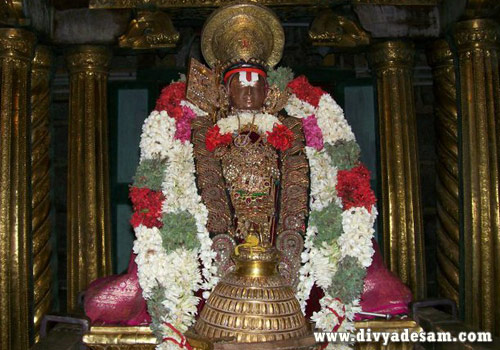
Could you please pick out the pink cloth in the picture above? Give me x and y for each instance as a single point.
(383, 292)
(117, 299)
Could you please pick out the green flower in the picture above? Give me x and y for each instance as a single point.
(150, 174)
(179, 230)
(348, 281)
(280, 77)
(344, 155)
(329, 223)
(157, 310)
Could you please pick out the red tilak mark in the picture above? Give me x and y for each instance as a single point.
(183, 343)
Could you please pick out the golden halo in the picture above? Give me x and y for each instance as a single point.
(243, 32)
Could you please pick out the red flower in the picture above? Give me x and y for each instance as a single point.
(170, 100)
(214, 139)
(147, 205)
(304, 91)
(281, 137)
(353, 187)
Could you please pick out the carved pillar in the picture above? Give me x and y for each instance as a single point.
(392, 62)
(40, 181)
(441, 60)
(477, 42)
(88, 176)
(16, 48)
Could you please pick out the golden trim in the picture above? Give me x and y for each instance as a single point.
(16, 50)
(478, 44)
(243, 31)
(330, 29)
(441, 59)
(150, 30)
(210, 180)
(119, 336)
(141, 338)
(41, 260)
(88, 58)
(128, 4)
(12, 13)
(292, 218)
(42, 286)
(482, 34)
(392, 54)
(41, 309)
(40, 182)
(16, 44)
(396, 326)
(89, 240)
(43, 231)
(402, 223)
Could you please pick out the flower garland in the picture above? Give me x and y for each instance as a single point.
(264, 122)
(280, 137)
(168, 262)
(170, 219)
(276, 134)
(334, 258)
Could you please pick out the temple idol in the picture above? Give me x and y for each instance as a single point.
(218, 175)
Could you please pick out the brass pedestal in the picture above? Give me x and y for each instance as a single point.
(253, 303)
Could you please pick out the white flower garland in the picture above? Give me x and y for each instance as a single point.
(329, 114)
(265, 122)
(319, 264)
(157, 137)
(176, 271)
(299, 108)
(356, 241)
(332, 122)
(323, 179)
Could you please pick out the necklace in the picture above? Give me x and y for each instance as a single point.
(241, 140)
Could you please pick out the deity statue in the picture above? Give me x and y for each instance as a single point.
(253, 213)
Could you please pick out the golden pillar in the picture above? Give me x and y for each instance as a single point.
(16, 48)
(392, 62)
(441, 60)
(477, 43)
(40, 183)
(88, 176)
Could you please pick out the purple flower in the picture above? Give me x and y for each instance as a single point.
(312, 132)
(183, 125)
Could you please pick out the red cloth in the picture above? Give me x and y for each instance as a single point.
(383, 292)
(117, 299)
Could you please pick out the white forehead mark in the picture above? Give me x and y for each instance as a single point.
(243, 76)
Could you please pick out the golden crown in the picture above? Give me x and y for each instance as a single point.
(242, 32)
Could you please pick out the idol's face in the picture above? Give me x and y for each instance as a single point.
(245, 96)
